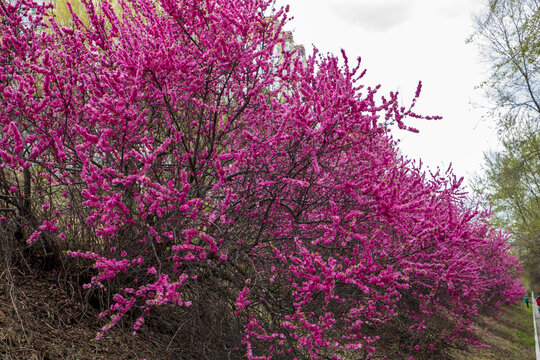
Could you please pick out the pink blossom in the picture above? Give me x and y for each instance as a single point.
(189, 143)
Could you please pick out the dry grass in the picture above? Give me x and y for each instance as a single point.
(509, 336)
(40, 321)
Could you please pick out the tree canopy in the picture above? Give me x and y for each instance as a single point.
(509, 36)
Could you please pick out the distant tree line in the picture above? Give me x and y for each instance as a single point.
(508, 33)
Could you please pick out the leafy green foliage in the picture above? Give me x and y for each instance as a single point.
(508, 34)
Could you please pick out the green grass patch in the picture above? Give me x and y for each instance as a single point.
(526, 337)
(525, 334)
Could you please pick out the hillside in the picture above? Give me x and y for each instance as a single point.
(40, 320)
(509, 336)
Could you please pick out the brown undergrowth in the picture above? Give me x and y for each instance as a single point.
(45, 316)
(40, 320)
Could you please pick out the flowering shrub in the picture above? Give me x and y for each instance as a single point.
(169, 144)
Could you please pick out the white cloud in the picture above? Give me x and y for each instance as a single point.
(452, 9)
(401, 42)
(374, 15)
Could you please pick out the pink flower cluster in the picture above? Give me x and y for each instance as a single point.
(178, 135)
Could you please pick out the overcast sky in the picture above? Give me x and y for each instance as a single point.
(402, 42)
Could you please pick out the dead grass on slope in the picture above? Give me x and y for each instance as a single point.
(40, 321)
(509, 336)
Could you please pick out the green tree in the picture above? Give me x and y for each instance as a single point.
(508, 36)
(512, 178)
